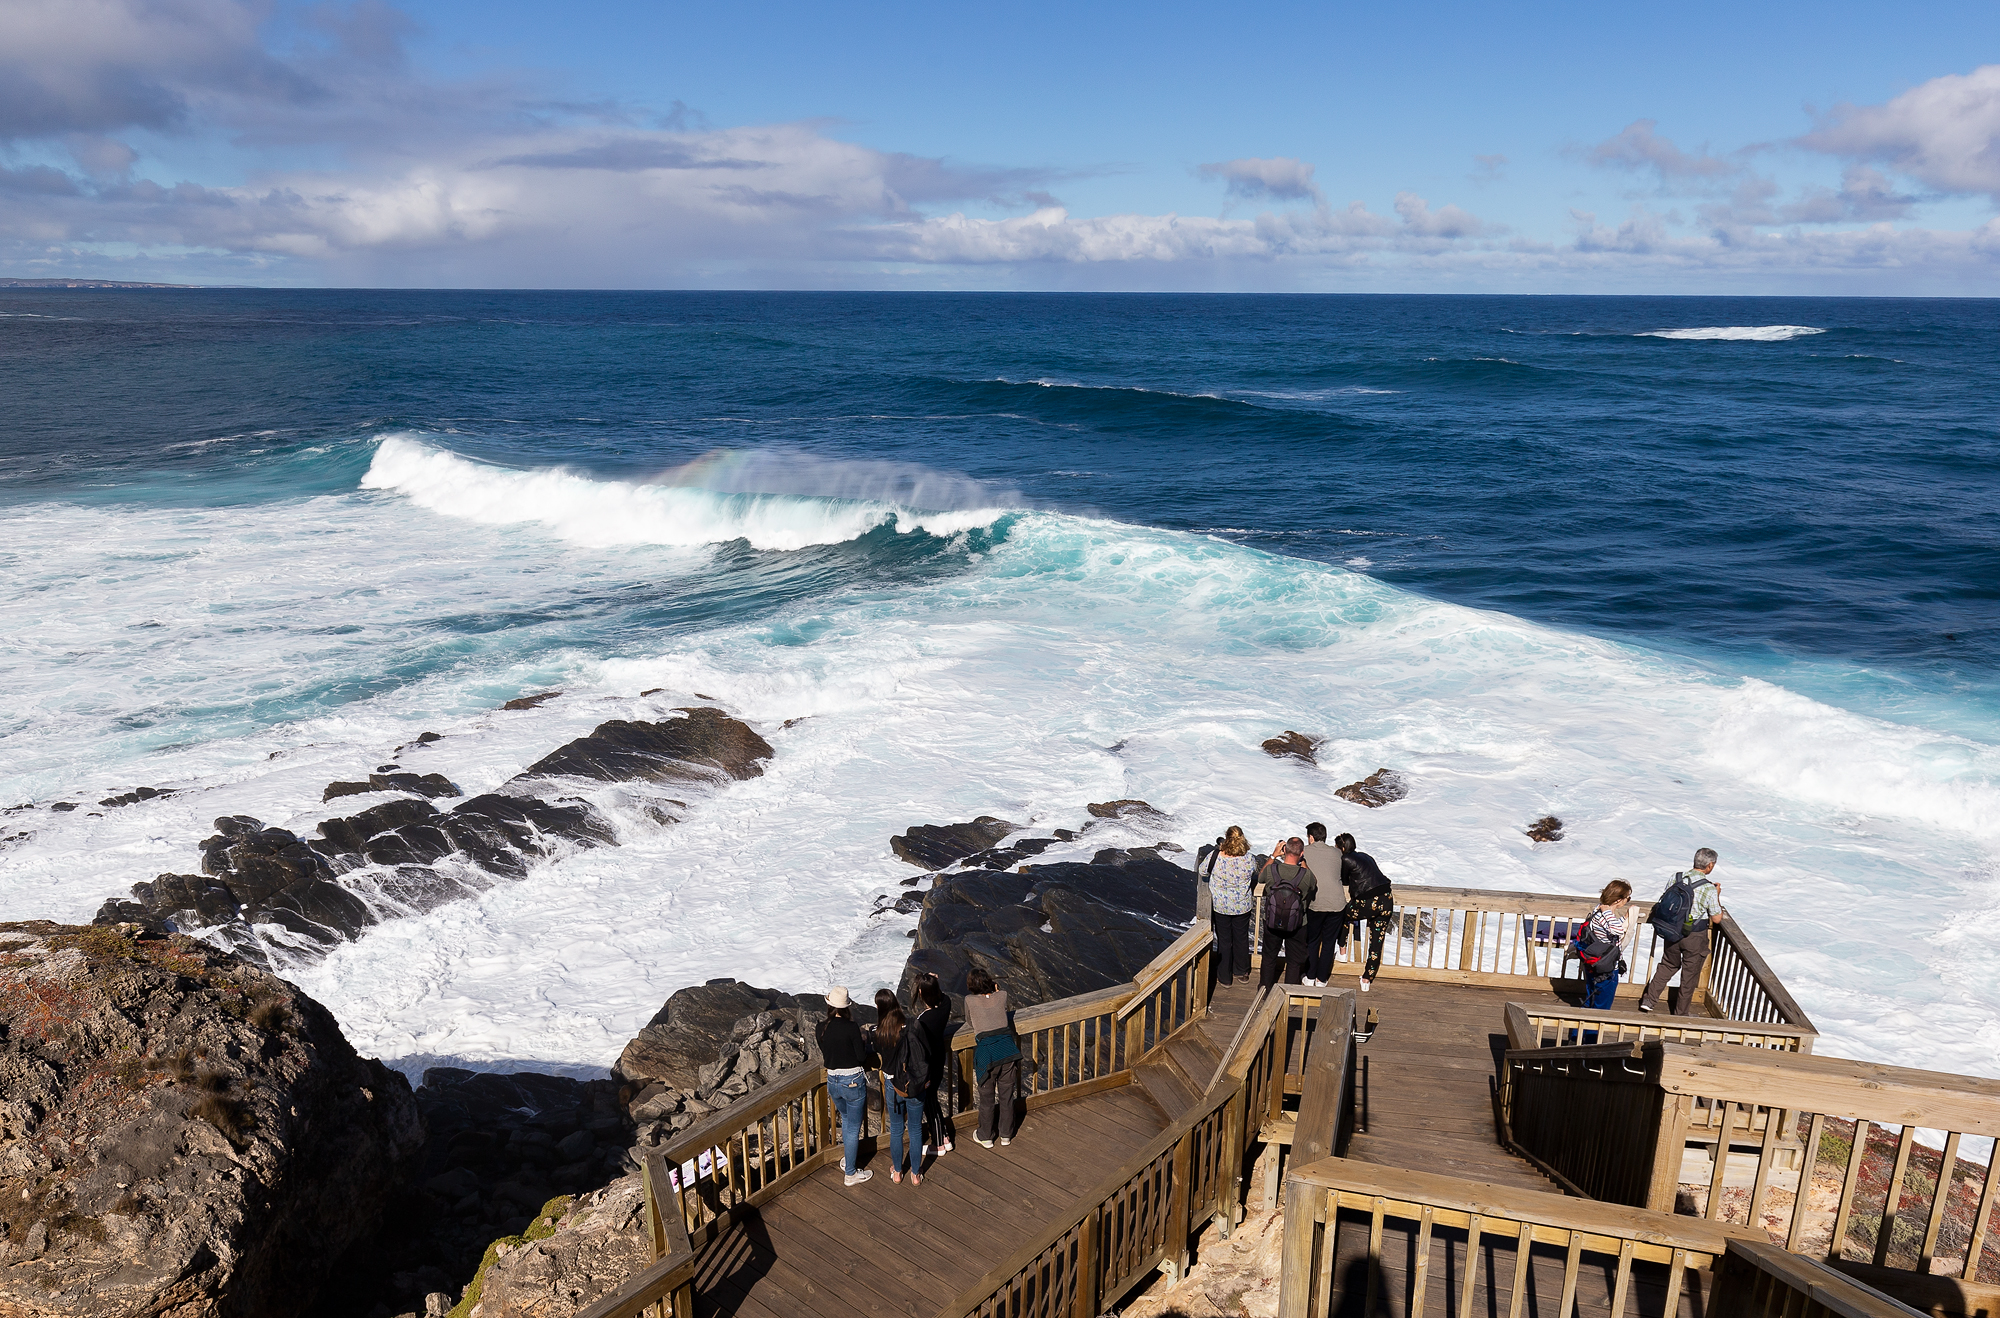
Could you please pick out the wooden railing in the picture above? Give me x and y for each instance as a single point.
(1501, 939)
(1534, 1025)
(666, 1288)
(1316, 1192)
(1144, 1214)
(1762, 1281)
(1791, 1135)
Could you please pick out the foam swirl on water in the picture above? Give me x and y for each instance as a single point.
(1742, 333)
(719, 498)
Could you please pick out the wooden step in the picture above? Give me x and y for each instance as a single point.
(1164, 1084)
(1195, 1057)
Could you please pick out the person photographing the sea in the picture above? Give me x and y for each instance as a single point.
(1288, 894)
(847, 1057)
(1373, 902)
(1326, 930)
(1681, 917)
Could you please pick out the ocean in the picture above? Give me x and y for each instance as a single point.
(1682, 571)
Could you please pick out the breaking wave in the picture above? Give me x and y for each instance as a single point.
(1744, 333)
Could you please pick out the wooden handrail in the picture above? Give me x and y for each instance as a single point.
(1323, 1094)
(752, 1107)
(1835, 1087)
(1164, 966)
(671, 1275)
(1766, 979)
(1063, 1011)
(1839, 1293)
(1618, 1026)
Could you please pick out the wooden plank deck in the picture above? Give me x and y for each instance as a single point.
(1431, 1070)
(889, 1249)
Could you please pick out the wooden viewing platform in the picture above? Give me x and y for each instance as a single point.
(1488, 1149)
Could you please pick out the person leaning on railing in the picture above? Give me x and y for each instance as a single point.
(1373, 901)
(934, 1019)
(847, 1057)
(1687, 939)
(996, 1057)
(1232, 898)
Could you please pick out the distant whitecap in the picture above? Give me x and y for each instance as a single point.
(1748, 333)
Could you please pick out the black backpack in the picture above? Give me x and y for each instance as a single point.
(1596, 948)
(1285, 902)
(1670, 913)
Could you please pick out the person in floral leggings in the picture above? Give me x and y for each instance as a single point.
(1373, 901)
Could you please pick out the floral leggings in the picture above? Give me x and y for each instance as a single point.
(1377, 909)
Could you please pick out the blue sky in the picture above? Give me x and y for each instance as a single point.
(1702, 148)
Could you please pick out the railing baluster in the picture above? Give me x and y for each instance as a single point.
(1846, 1208)
(1893, 1198)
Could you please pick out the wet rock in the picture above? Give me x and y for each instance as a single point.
(705, 744)
(531, 702)
(417, 856)
(419, 784)
(1377, 789)
(1295, 745)
(136, 795)
(179, 1131)
(935, 846)
(1128, 809)
(62, 807)
(1546, 829)
(1051, 931)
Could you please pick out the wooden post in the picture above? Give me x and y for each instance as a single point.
(1940, 1200)
(1846, 1208)
(1669, 1145)
(1894, 1198)
(1807, 1163)
(1178, 1207)
(1296, 1257)
(1468, 943)
(1233, 1144)
(1086, 1270)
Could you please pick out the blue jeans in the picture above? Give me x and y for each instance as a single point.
(1599, 994)
(906, 1131)
(850, 1099)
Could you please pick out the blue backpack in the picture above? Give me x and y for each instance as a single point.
(1670, 913)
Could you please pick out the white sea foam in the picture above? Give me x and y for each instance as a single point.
(1077, 661)
(674, 511)
(1748, 333)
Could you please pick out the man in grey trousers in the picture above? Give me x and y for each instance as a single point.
(1687, 953)
(1326, 930)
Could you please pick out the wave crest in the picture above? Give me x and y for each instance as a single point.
(1744, 333)
(726, 495)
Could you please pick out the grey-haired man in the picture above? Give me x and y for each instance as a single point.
(1687, 953)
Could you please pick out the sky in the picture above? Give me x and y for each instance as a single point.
(1562, 148)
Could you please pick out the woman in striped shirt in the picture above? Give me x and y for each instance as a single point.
(1607, 924)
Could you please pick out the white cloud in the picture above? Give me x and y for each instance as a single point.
(1638, 147)
(1945, 133)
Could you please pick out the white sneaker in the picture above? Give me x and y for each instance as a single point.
(982, 1143)
(1643, 1007)
(856, 1178)
(1364, 985)
(1005, 1141)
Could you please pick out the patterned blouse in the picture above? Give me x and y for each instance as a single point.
(1230, 888)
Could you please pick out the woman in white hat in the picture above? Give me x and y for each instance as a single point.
(847, 1057)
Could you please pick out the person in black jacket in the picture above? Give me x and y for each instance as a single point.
(906, 1072)
(934, 1020)
(1372, 901)
(847, 1057)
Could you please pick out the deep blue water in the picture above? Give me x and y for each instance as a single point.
(1832, 496)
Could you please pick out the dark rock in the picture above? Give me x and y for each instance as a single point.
(934, 846)
(530, 702)
(1377, 789)
(1125, 810)
(420, 784)
(183, 1133)
(61, 807)
(1051, 931)
(1294, 744)
(705, 744)
(136, 795)
(428, 737)
(1546, 829)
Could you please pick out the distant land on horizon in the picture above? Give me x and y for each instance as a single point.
(88, 283)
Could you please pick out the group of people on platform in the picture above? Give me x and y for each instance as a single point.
(1313, 894)
(913, 1052)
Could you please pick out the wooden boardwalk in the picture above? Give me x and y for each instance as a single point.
(889, 1249)
(1430, 1072)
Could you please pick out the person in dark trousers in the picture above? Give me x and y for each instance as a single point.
(934, 1020)
(1372, 901)
(996, 1058)
(847, 1057)
(906, 1072)
(1326, 930)
(1232, 904)
(1287, 868)
(1687, 952)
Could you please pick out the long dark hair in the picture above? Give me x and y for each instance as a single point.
(889, 1030)
(930, 992)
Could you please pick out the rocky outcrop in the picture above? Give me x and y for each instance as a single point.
(136, 795)
(180, 1132)
(1293, 745)
(593, 1248)
(531, 702)
(936, 846)
(1127, 809)
(1377, 789)
(711, 1045)
(405, 856)
(1546, 829)
(1049, 931)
